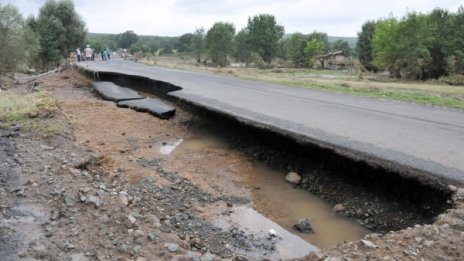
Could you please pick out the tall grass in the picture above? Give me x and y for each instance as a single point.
(17, 108)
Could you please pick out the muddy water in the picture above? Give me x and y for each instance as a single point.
(277, 205)
(276, 199)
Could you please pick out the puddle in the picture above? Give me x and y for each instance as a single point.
(278, 200)
(275, 199)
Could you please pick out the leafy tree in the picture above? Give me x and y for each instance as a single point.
(167, 50)
(297, 53)
(136, 47)
(60, 31)
(153, 46)
(403, 47)
(342, 45)
(126, 39)
(184, 44)
(18, 44)
(383, 45)
(313, 48)
(219, 42)
(263, 35)
(420, 46)
(413, 57)
(364, 45)
(317, 44)
(97, 46)
(447, 46)
(198, 43)
(283, 48)
(241, 47)
(455, 49)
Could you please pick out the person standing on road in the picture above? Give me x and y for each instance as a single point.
(108, 53)
(105, 55)
(88, 53)
(78, 54)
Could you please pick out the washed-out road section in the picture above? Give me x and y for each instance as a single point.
(404, 137)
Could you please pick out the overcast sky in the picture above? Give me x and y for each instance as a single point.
(176, 17)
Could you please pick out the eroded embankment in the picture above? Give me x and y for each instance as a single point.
(378, 194)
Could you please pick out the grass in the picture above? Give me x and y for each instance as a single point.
(25, 109)
(372, 85)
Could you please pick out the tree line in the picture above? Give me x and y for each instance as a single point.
(260, 42)
(417, 46)
(39, 42)
(44, 41)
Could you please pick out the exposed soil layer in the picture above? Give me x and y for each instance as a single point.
(101, 190)
(379, 196)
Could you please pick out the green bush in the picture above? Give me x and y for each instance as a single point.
(457, 79)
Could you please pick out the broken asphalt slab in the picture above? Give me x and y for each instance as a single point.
(153, 106)
(112, 92)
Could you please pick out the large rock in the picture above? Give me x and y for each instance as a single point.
(293, 178)
(171, 247)
(338, 208)
(303, 226)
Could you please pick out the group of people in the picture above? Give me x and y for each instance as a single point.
(89, 54)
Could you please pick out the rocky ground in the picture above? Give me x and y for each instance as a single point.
(101, 190)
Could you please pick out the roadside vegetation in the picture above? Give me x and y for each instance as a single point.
(372, 85)
(27, 111)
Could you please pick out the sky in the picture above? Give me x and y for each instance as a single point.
(177, 17)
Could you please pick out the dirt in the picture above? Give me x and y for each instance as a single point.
(101, 190)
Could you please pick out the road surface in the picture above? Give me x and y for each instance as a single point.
(406, 136)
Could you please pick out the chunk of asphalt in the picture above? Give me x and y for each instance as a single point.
(112, 92)
(153, 106)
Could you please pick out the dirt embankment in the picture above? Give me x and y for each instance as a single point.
(101, 190)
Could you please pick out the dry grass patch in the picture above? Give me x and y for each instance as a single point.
(34, 112)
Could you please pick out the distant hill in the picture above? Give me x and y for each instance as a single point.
(351, 40)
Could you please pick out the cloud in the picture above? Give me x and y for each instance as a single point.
(176, 17)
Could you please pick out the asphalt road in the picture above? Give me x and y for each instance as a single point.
(406, 136)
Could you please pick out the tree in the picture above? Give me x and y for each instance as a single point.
(126, 39)
(136, 47)
(314, 47)
(263, 35)
(403, 47)
(60, 30)
(283, 48)
(184, 43)
(414, 39)
(317, 44)
(241, 47)
(384, 45)
(342, 45)
(219, 42)
(11, 24)
(297, 45)
(167, 50)
(153, 46)
(198, 43)
(364, 45)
